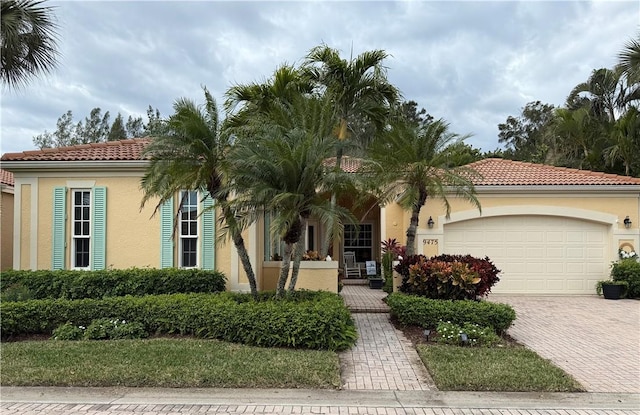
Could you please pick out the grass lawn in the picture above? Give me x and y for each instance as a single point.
(179, 363)
(507, 369)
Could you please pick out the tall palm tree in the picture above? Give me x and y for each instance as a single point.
(602, 89)
(246, 100)
(280, 168)
(410, 163)
(625, 146)
(581, 137)
(360, 92)
(629, 59)
(188, 152)
(28, 35)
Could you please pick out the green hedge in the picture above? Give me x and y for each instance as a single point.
(307, 320)
(109, 283)
(412, 310)
(628, 270)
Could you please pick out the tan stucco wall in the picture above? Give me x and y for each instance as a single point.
(132, 234)
(620, 206)
(604, 207)
(6, 230)
(313, 275)
(25, 226)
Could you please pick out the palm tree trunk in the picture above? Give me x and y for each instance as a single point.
(413, 224)
(324, 250)
(297, 258)
(238, 242)
(284, 271)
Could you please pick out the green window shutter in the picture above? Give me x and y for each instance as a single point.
(99, 228)
(166, 234)
(208, 234)
(59, 237)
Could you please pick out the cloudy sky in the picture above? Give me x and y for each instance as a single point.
(472, 63)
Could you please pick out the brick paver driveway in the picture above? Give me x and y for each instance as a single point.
(595, 340)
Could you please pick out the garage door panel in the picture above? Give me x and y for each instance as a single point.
(537, 254)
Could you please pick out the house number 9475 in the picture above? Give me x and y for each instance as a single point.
(430, 241)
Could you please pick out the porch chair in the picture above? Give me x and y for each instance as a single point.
(351, 268)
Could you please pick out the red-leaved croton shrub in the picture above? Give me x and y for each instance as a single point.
(450, 277)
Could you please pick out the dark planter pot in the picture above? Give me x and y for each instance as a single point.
(612, 291)
(375, 283)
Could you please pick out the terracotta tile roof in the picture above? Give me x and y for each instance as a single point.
(494, 171)
(111, 150)
(6, 177)
(500, 172)
(348, 164)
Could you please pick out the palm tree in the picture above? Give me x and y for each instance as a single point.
(28, 36)
(580, 137)
(630, 59)
(410, 163)
(280, 168)
(246, 100)
(360, 92)
(625, 142)
(602, 89)
(188, 151)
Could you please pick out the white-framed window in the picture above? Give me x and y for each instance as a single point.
(359, 241)
(81, 228)
(188, 244)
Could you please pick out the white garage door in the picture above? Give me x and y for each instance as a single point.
(537, 254)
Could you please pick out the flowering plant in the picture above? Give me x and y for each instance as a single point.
(623, 254)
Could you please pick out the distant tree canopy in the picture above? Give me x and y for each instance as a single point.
(598, 128)
(96, 128)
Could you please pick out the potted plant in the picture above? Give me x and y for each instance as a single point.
(612, 290)
(376, 282)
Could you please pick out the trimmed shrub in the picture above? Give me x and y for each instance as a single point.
(451, 277)
(112, 283)
(628, 270)
(411, 310)
(312, 320)
(68, 331)
(449, 333)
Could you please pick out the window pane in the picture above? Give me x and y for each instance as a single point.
(77, 228)
(86, 198)
(193, 228)
(189, 252)
(85, 228)
(85, 213)
(77, 213)
(77, 199)
(82, 252)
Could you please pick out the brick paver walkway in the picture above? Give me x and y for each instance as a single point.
(359, 298)
(597, 341)
(383, 358)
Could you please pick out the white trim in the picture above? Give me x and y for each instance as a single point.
(66, 166)
(81, 184)
(17, 222)
(559, 188)
(383, 224)
(71, 226)
(590, 215)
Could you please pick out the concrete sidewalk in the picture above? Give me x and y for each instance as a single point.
(156, 401)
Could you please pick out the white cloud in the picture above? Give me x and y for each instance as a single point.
(472, 63)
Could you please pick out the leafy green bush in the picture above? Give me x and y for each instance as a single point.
(113, 328)
(68, 331)
(412, 310)
(112, 283)
(15, 292)
(450, 333)
(313, 320)
(628, 270)
(450, 277)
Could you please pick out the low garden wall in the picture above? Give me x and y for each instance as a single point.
(313, 275)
